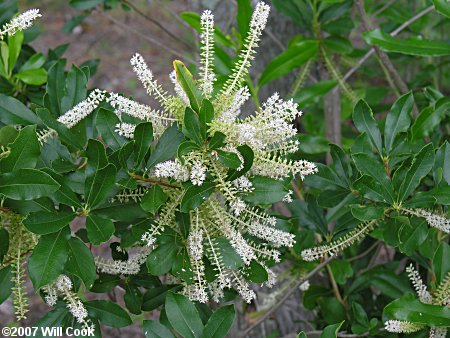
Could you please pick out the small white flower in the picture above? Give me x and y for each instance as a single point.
(125, 129)
(419, 286)
(63, 283)
(288, 197)
(243, 184)
(400, 326)
(237, 206)
(198, 173)
(172, 169)
(304, 286)
(20, 22)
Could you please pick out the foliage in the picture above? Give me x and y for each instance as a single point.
(186, 196)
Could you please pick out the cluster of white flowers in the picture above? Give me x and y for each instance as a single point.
(433, 220)
(401, 326)
(20, 22)
(62, 286)
(226, 214)
(419, 286)
(304, 286)
(118, 267)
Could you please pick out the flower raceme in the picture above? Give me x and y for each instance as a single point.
(212, 176)
(20, 22)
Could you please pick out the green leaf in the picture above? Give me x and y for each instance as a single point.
(217, 141)
(160, 260)
(266, 190)
(153, 329)
(364, 122)
(441, 263)
(248, 155)
(205, 116)
(34, 62)
(398, 120)
(56, 84)
(412, 46)
(370, 189)
(156, 296)
(35, 77)
(6, 284)
(44, 222)
(195, 195)
(153, 199)
(368, 165)
(411, 309)
(167, 146)
(331, 331)
(181, 267)
(184, 149)
(421, 165)
(310, 94)
(81, 262)
(25, 151)
(191, 126)
(4, 243)
(293, 57)
(76, 89)
(256, 273)
(106, 122)
(98, 186)
(109, 313)
(230, 258)
(133, 299)
(48, 258)
(367, 213)
(99, 229)
(15, 46)
(442, 6)
(183, 316)
(143, 138)
(429, 118)
(220, 322)
(244, 15)
(301, 335)
(12, 111)
(342, 270)
(186, 80)
(229, 159)
(27, 184)
(96, 155)
(442, 164)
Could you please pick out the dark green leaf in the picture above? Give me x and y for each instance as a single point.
(244, 15)
(81, 262)
(25, 151)
(12, 111)
(160, 260)
(364, 122)
(35, 77)
(153, 199)
(331, 331)
(76, 90)
(217, 141)
(133, 299)
(186, 81)
(153, 329)
(441, 263)
(44, 222)
(308, 95)
(184, 149)
(56, 87)
(109, 313)
(220, 322)
(412, 46)
(181, 267)
(99, 229)
(48, 258)
(248, 155)
(398, 120)
(98, 186)
(367, 213)
(143, 138)
(229, 159)
(6, 283)
(205, 116)
(191, 126)
(167, 146)
(183, 316)
(266, 190)
(4, 243)
(443, 7)
(106, 122)
(195, 195)
(27, 184)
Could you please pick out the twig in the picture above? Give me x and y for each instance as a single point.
(382, 9)
(155, 22)
(335, 287)
(287, 295)
(146, 37)
(363, 254)
(151, 180)
(394, 33)
(382, 56)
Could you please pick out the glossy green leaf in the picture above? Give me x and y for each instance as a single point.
(167, 146)
(48, 258)
(443, 7)
(220, 322)
(184, 149)
(154, 329)
(35, 77)
(99, 229)
(44, 222)
(4, 243)
(248, 155)
(6, 283)
(293, 57)
(25, 151)
(75, 88)
(27, 184)
(422, 163)
(266, 190)
(315, 92)
(441, 263)
(106, 122)
(133, 299)
(143, 138)
(205, 116)
(364, 122)
(12, 111)
(229, 159)
(411, 309)
(195, 195)
(160, 260)
(411, 46)
(14, 46)
(331, 331)
(56, 84)
(153, 199)
(244, 15)
(98, 186)
(109, 313)
(191, 126)
(366, 213)
(186, 81)
(181, 267)
(217, 141)
(398, 120)
(81, 262)
(183, 316)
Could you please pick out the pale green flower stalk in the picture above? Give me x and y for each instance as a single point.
(268, 134)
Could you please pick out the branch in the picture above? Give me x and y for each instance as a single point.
(394, 33)
(151, 180)
(287, 295)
